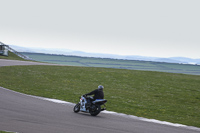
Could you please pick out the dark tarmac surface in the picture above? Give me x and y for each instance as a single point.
(26, 114)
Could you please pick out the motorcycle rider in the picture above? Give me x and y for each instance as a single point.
(98, 94)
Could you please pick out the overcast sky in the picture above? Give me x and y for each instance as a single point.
(158, 28)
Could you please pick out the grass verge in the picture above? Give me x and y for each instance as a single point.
(157, 95)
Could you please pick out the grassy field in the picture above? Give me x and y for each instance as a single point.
(157, 95)
(114, 63)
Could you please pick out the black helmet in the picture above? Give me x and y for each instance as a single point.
(100, 87)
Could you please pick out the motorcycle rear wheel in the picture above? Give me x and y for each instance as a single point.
(77, 108)
(96, 111)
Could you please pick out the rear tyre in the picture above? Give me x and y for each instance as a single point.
(77, 108)
(95, 110)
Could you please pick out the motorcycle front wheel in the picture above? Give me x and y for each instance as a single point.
(95, 110)
(77, 108)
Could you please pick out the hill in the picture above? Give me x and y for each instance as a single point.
(109, 62)
(182, 60)
(116, 63)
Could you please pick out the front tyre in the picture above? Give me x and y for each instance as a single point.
(95, 110)
(77, 108)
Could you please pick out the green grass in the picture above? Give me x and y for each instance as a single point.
(157, 95)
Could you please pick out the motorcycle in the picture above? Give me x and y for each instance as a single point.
(88, 106)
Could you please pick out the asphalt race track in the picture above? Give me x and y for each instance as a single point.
(27, 114)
